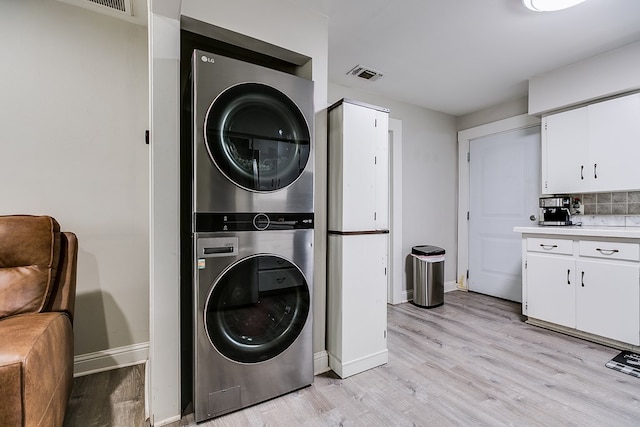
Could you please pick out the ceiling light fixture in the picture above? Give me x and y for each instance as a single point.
(550, 5)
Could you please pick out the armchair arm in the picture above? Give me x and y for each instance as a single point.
(63, 294)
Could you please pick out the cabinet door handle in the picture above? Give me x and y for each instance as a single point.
(547, 247)
(595, 170)
(607, 251)
(581, 171)
(568, 279)
(582, 279)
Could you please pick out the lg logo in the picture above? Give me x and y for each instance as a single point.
(207, 59)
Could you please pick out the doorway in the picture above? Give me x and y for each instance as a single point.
(397, 276)
(489, 252)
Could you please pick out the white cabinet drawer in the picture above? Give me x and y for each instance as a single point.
(550, 246)
(610, 250)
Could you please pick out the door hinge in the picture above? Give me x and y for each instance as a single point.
(385, 271)
(375, 123)
(385, 334)
(146, 136)
(525, 264)
(467, 275)
(375, 216)
(468, 156)
(467, 215)
(375, 160)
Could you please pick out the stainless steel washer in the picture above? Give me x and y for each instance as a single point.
(252, 137)
(253, 316)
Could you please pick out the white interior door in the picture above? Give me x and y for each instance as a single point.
(504, 174)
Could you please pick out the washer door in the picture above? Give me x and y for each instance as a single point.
(257, 308)
(257, 137)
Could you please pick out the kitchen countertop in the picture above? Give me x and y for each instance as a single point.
(583, 230)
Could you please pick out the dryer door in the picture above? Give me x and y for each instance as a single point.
(257, 308)
(257, 137)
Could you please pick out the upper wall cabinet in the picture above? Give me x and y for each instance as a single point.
(592, 149)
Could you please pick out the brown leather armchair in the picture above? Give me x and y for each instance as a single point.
(37, 295)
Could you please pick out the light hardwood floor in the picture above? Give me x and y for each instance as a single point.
(472, 361)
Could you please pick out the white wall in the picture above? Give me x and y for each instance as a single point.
(73, 111)
(306, 33)
(429, 175)
(611, 73)
(163, 385)
(501, 111)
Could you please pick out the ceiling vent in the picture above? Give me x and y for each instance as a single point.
(110, 7)
(365, 73)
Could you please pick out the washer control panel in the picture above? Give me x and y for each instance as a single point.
(211, 222)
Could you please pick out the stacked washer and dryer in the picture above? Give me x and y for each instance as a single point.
(252, 206)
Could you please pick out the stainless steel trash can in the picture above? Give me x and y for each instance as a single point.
(428, 276)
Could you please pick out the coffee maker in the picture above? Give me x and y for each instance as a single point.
(555, 210)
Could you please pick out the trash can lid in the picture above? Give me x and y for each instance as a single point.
(427, 250)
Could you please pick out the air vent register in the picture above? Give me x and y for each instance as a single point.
(365, 73)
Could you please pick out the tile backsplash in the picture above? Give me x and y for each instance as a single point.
(619, 203)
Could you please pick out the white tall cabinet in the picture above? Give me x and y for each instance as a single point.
(592, 148)
(358, 242)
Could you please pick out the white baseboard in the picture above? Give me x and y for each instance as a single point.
(321, 362)
(352, 367)
(113, 358)
(168, 421)
(450, 286)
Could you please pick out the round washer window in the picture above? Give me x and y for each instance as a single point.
(257, 137)
(257, 308)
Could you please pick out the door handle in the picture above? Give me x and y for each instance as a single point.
(568, 278)
(595, 171)
(581, 171)
(582, 279)
(219, 250)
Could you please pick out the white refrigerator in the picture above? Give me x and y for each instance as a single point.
(358, 240)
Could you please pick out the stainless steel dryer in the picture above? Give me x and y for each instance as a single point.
(252, 137)
(253, 316)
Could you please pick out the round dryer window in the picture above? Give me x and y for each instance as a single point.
(257, 308)
(257, 137)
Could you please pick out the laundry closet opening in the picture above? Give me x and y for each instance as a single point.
(246, 173)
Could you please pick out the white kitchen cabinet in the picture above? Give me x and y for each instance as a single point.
(551, 290)
(584, 284)
(357, 302)
(565, 152)
(614, 144)
(358, 171)
(592, 148)
(607, 300)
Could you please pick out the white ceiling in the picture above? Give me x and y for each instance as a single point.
(459, 56)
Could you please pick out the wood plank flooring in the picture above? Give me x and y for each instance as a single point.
(472, 361)
(113, 398)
